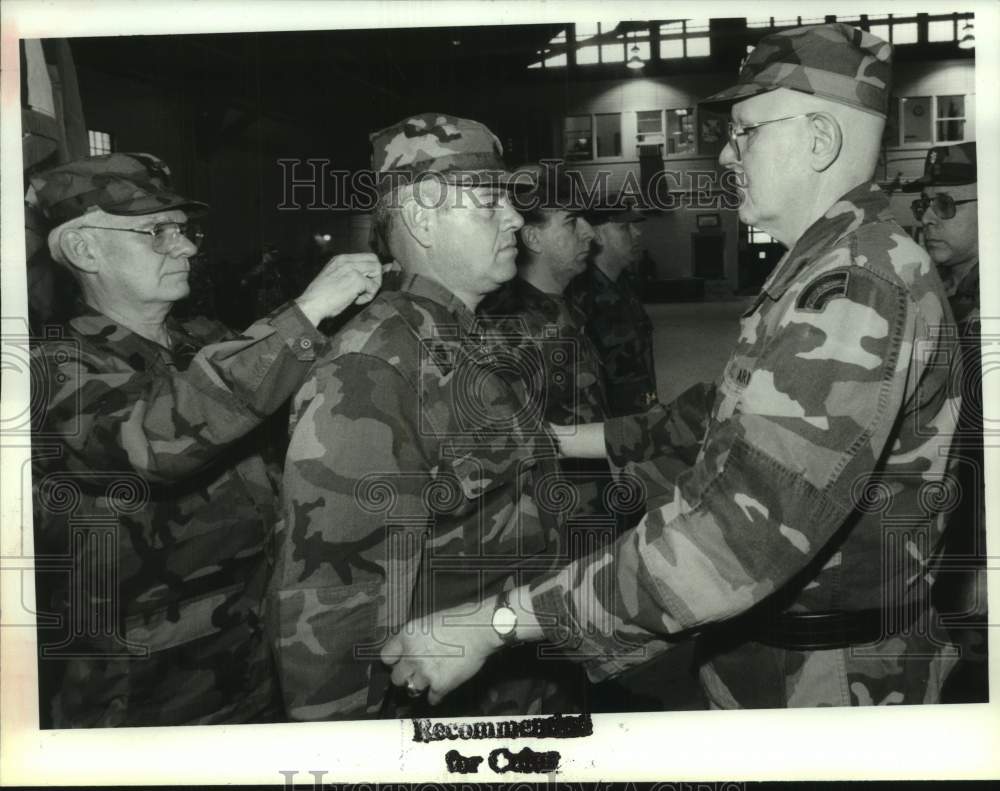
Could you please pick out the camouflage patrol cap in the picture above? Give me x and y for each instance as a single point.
(836, 61)
(457, 149)
(122, 184)
(947, 166)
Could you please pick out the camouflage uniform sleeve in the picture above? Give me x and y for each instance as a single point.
(350, 546)
(166, 423)
(653, 448)
(772, 485)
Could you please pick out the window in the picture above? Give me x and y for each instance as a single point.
(941, 30)
(757, 236)
(915, 119)
(577, 137)
(100, 142)
(950, 119)
(680, 131)
(686, 38)
(764, 21)
(609, 135)
(649, 122)
(904, 33)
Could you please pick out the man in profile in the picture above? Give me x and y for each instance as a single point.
(607, 295)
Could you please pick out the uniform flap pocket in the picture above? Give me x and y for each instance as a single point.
(193, 619)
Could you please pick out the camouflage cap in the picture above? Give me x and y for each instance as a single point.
(123, 184)
(457, 149)
(836, 61)
(947, 166)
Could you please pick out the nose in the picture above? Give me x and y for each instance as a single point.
(181, 247)
(512, 221)
(728, 155)
(635, 230)
(584, 230)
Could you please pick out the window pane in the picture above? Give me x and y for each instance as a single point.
(609, 134)
(905, 33)
(812, 20)
(577, 137)
(648, 121)
(585, 30)
(613, 53)
(672, 48)
(951, 106)
(697, 26)
(680, 131)
(941, 30)
(535, 65)
(915, 117)
(697, 47)
(587, 55)
(643, 49)
(759, 22)
(882, 31)
(786, 22)
(559, 39)
(608, 27)
(556, 60)
(950, 131)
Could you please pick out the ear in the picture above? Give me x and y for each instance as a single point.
(529, 238)
(418, 220)
(80, 250)
(827, 140)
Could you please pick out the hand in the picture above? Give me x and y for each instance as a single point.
(583, 441)
(350, 279)
(441, 651)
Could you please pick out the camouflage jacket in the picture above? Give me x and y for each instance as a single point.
(621, 330)
(822, 484)
(557, 361)
(416, 479)
(154, 509)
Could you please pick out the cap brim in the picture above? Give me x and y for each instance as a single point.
(163, 201)
(722, 101)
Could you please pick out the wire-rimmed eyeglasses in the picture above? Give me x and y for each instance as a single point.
(165, 234)
(737, 131)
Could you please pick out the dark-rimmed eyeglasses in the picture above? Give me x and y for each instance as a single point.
(944, 205)
(165, 234)
(736, 131)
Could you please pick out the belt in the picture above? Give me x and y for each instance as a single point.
(819, 631)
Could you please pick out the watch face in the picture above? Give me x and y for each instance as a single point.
(504, 620)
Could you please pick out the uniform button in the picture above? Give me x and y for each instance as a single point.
(305, 343)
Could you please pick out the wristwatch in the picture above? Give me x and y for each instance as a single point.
(504, 620)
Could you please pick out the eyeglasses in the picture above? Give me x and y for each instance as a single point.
(944, 205)
(165, 234)
(736, 131)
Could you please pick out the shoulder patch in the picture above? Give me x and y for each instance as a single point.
(825, 288)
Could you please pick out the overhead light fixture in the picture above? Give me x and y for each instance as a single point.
(968, 40)
(635, 61)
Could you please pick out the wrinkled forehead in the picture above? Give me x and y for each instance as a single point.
(144, 220)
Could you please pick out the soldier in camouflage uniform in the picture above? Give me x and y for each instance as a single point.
(801, 544)
(617, 322)
(154, 506)
(551, 349)
(417, 475)
(947, 213)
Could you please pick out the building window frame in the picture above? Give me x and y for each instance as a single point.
(100, 143)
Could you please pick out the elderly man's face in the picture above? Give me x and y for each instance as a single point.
(564, 241)
(769, 162)
(133, 271)
(956, 240)
(475, 244)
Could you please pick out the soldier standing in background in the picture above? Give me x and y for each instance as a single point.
(617, 322)
(417, 476)
(947, 213)
(154, 504)
(546, 334)
(800, 546)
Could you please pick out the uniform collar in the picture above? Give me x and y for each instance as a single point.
(426, 288)
(119, 340)
(864, 204)
(961, 280)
